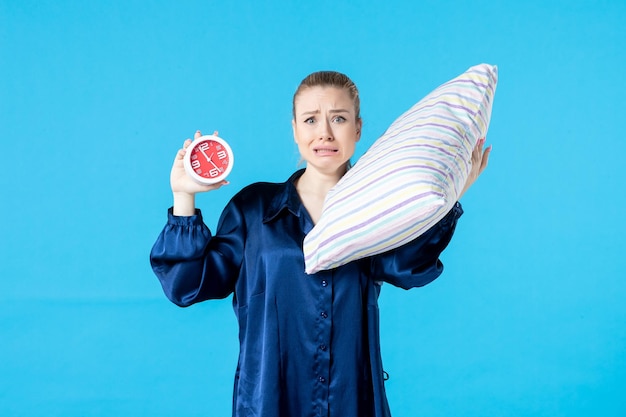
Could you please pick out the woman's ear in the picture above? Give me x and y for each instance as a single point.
(359, 125)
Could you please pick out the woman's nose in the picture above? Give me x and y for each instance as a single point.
(326, 133)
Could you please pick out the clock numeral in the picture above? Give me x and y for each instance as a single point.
(195, 164)
(204, 146)
(214, 172)
(221, 154)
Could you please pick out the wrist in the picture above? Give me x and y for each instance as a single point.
(184, 204)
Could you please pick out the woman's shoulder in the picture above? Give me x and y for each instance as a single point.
(261, 193)
(267, 190)
(260, 190)
(265, 198)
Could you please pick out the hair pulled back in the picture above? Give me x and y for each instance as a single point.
(330, 79)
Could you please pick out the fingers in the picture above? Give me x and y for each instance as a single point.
(181, 152)
(478, 149)
(485, 158)
(213, 187)
(479, 161)
(218, 185)
(199, 133)
(480, 157)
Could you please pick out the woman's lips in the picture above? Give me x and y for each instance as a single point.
(325, 150)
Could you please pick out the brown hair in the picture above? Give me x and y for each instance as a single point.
(330, 79)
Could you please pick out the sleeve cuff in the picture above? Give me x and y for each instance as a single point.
(194, 220)
(453, 215)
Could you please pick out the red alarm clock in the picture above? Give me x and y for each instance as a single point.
(208, 159)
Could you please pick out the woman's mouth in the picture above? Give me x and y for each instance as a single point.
(325, 151)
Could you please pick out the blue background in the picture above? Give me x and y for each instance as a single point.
(529, 318)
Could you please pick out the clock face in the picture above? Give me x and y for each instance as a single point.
(208, 159)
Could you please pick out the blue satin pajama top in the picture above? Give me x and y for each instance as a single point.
(309, 344)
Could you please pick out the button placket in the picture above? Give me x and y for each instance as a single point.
(324, 323)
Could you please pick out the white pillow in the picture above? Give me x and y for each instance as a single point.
(409, 179)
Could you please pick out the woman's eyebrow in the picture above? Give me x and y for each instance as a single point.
(306, 113)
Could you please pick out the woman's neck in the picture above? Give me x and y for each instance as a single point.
(318, 183)
(312, 188)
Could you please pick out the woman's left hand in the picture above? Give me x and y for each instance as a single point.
(479, 160)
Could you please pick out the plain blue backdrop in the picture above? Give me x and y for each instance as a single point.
(529, 317)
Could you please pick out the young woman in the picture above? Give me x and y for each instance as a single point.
(309, 344)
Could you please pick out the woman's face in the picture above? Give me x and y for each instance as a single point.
(325, 128)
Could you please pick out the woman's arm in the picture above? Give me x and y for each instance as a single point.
(184, 188)
(192, 264)
(417, 263)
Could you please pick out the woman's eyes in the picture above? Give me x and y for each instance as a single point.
(339, 119)
(336, 119)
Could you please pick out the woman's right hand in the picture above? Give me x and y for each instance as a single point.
(183, 186)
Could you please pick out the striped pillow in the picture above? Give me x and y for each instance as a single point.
(409, 178)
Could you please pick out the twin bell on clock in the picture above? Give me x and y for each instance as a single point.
(208, 159)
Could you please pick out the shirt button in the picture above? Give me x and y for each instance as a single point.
(324, 283)
(321, 379)
(324, 314)
(323, 347)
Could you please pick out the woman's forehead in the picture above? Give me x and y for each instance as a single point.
(321, 94)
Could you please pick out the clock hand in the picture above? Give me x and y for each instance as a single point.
(208, 158)
(211, 161)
